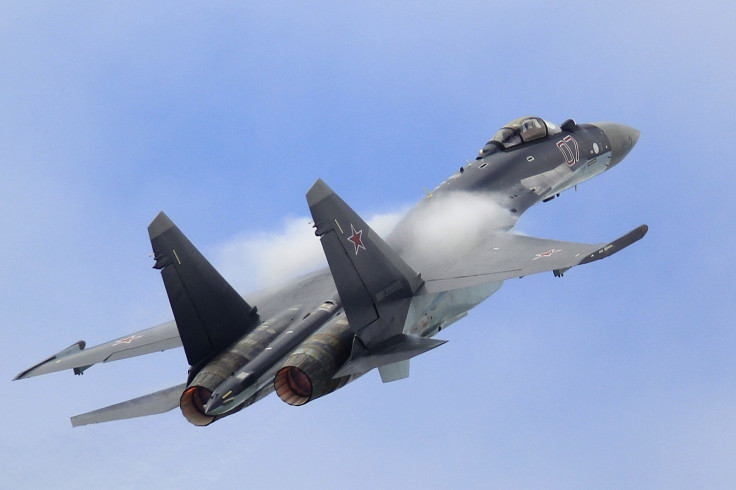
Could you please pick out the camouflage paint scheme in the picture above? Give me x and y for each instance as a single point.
(379, 303)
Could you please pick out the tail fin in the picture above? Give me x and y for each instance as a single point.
(209, 313)
(374, 283)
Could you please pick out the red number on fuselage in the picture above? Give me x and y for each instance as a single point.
(571, 157)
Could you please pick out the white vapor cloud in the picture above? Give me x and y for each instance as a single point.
(448, 225)
(257, 260)
(445, 226)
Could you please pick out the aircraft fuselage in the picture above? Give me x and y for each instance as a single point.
(513, 177)
(379, 302)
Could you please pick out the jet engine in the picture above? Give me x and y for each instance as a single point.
(200, 388)
(308, 372)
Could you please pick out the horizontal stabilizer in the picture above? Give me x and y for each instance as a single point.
(152, 404)
(392, 350)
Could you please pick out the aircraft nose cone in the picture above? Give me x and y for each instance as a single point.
(622, 139)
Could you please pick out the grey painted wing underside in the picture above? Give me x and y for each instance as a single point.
(154, 339)
(309, 290)
(508, 255)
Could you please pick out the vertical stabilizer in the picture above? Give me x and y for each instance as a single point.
(209, 313)
(375, 285)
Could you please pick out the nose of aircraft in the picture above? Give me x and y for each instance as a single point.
(622, 139)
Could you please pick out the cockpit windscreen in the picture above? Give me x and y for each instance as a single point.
(518, 131)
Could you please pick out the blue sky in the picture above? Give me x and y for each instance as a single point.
(621, 374)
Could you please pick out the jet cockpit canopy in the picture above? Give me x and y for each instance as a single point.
(518, 131)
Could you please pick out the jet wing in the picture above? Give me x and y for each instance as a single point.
(311, 289)
(508, 255)
(202, 300)
(76, 357)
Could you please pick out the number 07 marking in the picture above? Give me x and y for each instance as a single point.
(571, 157)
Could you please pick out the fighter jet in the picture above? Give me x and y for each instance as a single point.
(379, 302)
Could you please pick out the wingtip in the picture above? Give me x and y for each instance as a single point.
(617, 245)
(27, 373)
(637, 233)
(24, 374)
(38, 368)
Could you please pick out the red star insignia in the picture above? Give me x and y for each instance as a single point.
(357, 239)
(126, 340)
(545, 254)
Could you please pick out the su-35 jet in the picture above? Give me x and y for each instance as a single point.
(381, 302)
